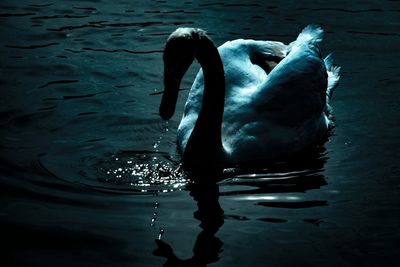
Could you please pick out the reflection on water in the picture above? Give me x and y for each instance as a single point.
(81, 83)
(270, 185)
(207, 247)
(140, 175)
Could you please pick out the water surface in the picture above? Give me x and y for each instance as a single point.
(90, 173)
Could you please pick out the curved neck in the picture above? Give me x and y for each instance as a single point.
(204, 148)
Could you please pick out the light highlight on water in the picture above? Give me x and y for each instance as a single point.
(145, 176)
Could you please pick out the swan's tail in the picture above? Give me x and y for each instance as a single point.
(333, 75)
(333, 81)
(311, 35)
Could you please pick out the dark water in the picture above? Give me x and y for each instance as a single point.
(89, 171)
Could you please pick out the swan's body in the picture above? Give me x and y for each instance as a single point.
(275, 102)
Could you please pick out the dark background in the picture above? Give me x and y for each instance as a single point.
(79, 98)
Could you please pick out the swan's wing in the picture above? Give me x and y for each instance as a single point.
(284, 113)
(245, 70)
(295, 90)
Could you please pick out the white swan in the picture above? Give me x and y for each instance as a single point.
(252, 100)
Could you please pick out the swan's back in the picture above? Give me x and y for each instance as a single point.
(268, 115)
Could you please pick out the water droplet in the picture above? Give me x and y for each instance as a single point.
(160, 233)
(154, 213)
(156, 205)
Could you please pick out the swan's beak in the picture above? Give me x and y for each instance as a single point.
(178, 56)
(170, 96)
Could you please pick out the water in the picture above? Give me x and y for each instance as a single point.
(90, 174)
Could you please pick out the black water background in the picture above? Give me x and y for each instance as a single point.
(77, 83)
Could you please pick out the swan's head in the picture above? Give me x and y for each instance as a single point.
(179, 53)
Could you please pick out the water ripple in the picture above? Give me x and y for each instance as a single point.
(374, 33)
(294, 204)
(103, 24)
(68, 97)
(41, 5)
(31, 46)
(59, 17)
(16, 14)
(228, 5)
(121, 50)
(86, 8)
(58, 82)
(343, 10)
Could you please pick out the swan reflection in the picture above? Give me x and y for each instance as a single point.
(272, 186)
(210, 214)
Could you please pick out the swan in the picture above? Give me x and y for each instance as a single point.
(251, 100)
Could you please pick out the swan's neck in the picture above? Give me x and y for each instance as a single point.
(204, 147)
